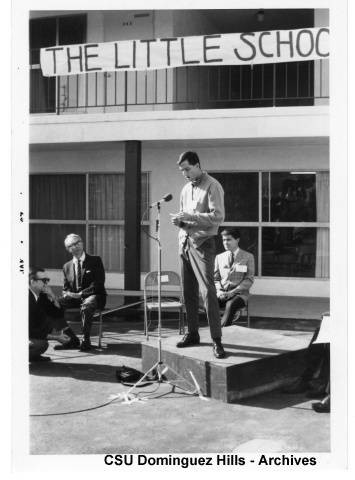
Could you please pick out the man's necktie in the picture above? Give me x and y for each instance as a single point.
(231, 259)
(78, 275)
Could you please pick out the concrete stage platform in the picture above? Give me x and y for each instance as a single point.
(257, 361)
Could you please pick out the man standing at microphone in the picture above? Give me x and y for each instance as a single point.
(201, 213)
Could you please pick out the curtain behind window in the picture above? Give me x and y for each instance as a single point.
(106, 197)
(106, 202)
(107, 241)
(57, 197)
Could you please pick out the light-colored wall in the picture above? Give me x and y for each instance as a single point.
(191, 23)
(160, 161)
(321, 17)
(321, 70)
(54, 13)
(203, 124)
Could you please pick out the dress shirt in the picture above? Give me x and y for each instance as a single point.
(34, 294)
(203, 200)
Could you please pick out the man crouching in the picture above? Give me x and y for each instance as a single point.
(46, 317)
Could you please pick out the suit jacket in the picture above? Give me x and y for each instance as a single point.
(39, 323)
(240, 275)
(93, 277)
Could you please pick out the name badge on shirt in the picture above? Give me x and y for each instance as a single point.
(241, 268)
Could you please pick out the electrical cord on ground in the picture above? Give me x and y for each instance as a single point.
(146, 394)
(76, 411)
(73, 411)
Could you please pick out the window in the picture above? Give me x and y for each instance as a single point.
(290, 197)
(57, 197)
(47, 32)
(91, 205)
(283, 218)
(289, 252)
(241, 196)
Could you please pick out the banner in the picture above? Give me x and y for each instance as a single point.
(159, 53)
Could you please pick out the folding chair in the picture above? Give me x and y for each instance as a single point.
(171, 297)
(244, 311)
(97, 320)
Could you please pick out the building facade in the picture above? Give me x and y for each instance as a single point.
(261, 130)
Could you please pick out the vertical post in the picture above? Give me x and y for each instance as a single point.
(125, 90)
(260, 226)
(86, 91)
(274, 84)
(159, 284)
(132, 233)
(58, 94)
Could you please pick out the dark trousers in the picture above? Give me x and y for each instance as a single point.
(318, 362)
(87, 307)
(197, 268)
(230, 307)
(36, 348)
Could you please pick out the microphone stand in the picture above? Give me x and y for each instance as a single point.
(160, 368)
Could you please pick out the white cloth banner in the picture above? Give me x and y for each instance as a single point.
(223, 49)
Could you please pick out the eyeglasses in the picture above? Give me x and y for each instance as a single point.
(44, 280)
(73, 244)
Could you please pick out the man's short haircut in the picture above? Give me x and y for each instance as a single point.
(191, 157)
(233, 232)
(72, 235)
(33, 272)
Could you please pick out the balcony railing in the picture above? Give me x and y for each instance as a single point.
(283, 84)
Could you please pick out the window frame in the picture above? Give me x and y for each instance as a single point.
(87, 221)
(260, 224)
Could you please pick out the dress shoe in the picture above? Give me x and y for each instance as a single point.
(323, 406)
(71, 345)
(236, 317)
(218, 350)
(85, 346)
(41, 358)
(191, 338)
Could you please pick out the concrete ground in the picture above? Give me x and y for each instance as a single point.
(163, 421)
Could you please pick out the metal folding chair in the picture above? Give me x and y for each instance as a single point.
(171, 297)
(244, 311)
(97, 320)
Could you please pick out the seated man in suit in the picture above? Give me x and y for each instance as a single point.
(84, 285)
(46, 317)
(233, 275)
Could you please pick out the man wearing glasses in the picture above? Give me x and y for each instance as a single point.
(46, 317)
(84, 285)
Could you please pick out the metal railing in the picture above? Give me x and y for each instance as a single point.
(282, 84)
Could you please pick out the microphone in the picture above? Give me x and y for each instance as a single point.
(166, 198)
